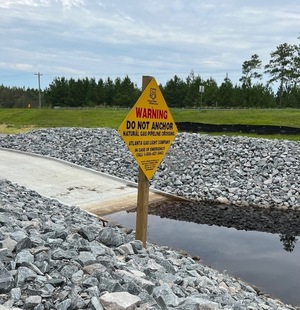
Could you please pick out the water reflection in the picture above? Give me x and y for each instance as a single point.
(283, 222)
(248, 243)
(289, 242)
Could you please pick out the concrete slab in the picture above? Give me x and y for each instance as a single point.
(71, 184)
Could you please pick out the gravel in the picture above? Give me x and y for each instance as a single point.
(58, 257)
(238, 171)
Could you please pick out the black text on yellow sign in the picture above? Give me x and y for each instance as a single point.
(149, 129)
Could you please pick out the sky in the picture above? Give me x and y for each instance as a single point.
(161, 38)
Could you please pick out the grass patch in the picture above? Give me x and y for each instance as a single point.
(46, 118)
(278, 117)
(9, 129)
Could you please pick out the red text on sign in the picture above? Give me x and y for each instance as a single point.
(151, 113)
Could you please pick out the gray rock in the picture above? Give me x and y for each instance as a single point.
(132, 277)
(18, 235)
(93, 268)
(90, 282)
(86, 258)
(126, 248)
(68, 270)
(88, 233)
(4, 253)
(77, 277)
(148, 300)
(111, 237)
(165, 297)
(166, 264)
(137, 246)
(56, 282)
(9, 243)
(62, 254)
(2, 307)
(95, 304)
(119, 301)
(24, 256)
(4, 219)
(195, 303)
(93, 291)
(64, 305)
(25, 274)
(222, 200)
(24, 243)
(98, 249)
(32, 301)
(15, 294)
(33, 268)
(6, 280)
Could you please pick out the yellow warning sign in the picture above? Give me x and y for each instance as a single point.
(149, 129)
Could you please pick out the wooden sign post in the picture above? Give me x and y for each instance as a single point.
(143, 194)
(148, 130)
(142, 208)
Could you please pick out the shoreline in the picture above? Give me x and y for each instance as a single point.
(236, 171)
(60, 257)
(206, 177)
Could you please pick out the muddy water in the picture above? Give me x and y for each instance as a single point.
(258, 245)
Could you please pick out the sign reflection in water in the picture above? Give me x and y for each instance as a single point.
(257, 245)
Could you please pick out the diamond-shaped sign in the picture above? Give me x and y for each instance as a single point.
(149, 129)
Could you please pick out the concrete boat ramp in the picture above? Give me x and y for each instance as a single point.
(95, 192)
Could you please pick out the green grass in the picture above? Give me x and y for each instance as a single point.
(19, 120)
(288, 117)
(62, 118)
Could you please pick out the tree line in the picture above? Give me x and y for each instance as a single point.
(283, 70)
(18, 97)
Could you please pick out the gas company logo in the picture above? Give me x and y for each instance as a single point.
(152, 94)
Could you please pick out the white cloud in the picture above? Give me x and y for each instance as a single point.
(72, 3)
(89, 37)
(16, 3)
(38, 3)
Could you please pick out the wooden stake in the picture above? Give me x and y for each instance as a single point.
(143, 195)
(142, 208)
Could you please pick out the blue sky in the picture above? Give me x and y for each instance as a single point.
(115, 38)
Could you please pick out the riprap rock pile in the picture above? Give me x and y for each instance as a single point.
(59, 257)
(226, 170)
